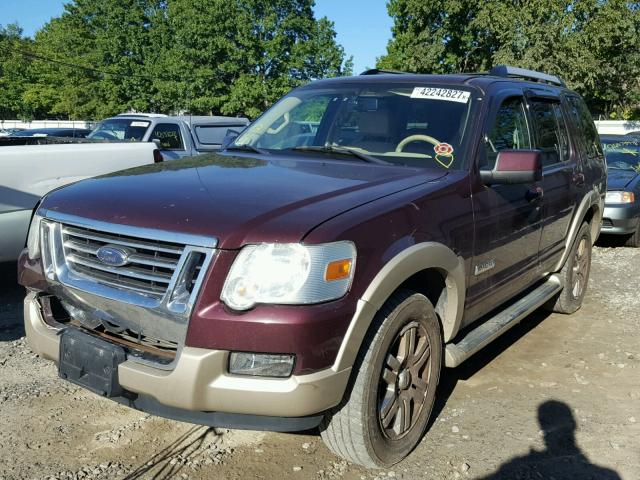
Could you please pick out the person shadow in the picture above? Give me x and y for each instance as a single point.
(561, 460)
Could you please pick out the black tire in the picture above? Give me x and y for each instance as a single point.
(575, 274)
(354, 430)
(634, 240)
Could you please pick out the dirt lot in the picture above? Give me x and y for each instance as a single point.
(557, 397)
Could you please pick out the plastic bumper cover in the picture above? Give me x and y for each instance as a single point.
(199, 384)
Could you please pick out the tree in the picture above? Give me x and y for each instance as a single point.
(103, 57)
(240, 56)
(592, 44)
(13, 72)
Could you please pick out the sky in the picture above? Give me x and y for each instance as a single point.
(363, 26)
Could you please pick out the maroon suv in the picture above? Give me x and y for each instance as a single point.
(359, 236)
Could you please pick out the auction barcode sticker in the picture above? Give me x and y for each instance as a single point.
(139, 124)
(446, 94)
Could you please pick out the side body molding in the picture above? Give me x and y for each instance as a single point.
(414, 259)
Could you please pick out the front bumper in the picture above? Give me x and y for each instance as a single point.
(621, 219)
(198, 389)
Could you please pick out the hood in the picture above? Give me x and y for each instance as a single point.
(235, 199)
(620, 179)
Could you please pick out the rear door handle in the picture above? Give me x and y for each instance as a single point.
(578, 179)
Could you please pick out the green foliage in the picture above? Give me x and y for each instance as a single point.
(230, 57)
(592, 44)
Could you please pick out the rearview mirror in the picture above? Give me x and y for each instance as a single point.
(514, 166)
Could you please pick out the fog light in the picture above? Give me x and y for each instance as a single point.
(261, 364)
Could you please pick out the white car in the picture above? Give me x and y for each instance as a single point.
(29, 172)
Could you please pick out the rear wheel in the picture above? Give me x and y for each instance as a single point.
(634, 240)
(575, 273)
(387, 408)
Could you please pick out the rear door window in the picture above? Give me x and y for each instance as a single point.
(510, 130)
(169, 136)
(588, 132)
(553, 139)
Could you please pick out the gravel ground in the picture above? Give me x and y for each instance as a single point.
(556, 397)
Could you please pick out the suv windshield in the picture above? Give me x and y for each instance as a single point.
(622, 155)
(121, 129)
(405, 124)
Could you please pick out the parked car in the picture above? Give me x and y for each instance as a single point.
(322, 277)
(5, 132)
(53, 132)
(178, 137)
(29, 172)
(622, 204)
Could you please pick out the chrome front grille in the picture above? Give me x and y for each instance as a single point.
(149, 292)
(150, 268)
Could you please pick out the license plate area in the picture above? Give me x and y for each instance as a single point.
(90, 362)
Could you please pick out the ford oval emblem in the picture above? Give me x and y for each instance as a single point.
(113, 255)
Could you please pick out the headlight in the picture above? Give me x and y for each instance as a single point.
(619, 197)
(33, 238)
(289, 273)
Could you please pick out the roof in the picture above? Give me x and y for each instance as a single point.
(478, 80)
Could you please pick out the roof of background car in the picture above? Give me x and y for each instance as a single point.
(211, 119)
(617, 138)
(479, 80)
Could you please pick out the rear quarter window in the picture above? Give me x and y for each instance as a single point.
(169, 136)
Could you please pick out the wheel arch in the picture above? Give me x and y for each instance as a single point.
(419, 267)
(590, 210)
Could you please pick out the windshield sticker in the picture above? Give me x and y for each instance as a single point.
(139, 124)
(444, 154)
(446, 94)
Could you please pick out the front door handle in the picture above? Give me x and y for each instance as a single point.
(534, 194)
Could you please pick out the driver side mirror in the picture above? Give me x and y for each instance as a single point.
(229, 138)
(513, 167)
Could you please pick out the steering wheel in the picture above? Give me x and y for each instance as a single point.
(416, 138)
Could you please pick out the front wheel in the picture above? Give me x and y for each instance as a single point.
(387, 408)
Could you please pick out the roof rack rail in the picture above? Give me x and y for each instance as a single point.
(379, 71)
(507, 71)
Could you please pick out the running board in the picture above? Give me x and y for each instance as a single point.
(488, 331)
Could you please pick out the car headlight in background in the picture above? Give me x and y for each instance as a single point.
(33, 237)
(619, 197)
(289, 273)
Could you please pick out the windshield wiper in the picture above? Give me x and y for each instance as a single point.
(342, 151)
(246, 148)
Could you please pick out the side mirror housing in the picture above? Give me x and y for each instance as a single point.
(157, 142)
(513, 167)
(229, 138)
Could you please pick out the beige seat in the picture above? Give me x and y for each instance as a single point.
(374, 130)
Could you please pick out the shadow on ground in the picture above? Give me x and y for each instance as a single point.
(611, 241)
(187, 445)
(561, 459)
(11, 295)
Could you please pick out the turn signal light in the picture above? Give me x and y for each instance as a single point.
(338, 270)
